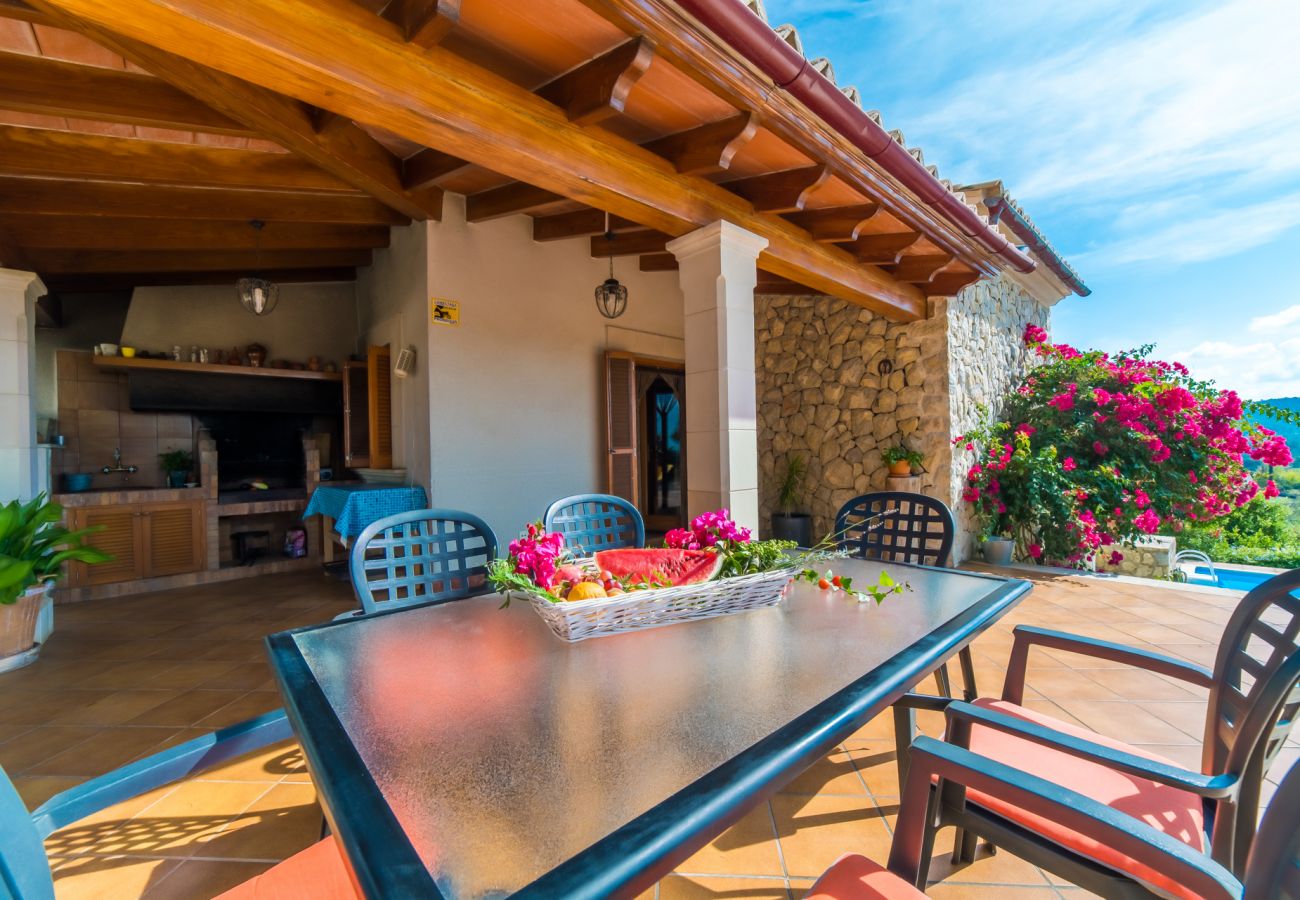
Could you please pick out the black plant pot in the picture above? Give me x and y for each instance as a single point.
(795, 527)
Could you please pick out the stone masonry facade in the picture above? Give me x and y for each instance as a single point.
(837, 384)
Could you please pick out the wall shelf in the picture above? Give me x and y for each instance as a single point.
(166, 365)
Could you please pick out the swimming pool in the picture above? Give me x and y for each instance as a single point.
(1232, 579)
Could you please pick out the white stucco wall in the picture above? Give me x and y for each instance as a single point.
(516, 412)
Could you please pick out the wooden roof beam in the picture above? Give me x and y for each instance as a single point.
(105, 261)
(882, 249)
(599, 88)
(331, 55)
(12, 255)
(707, 148)
(658, 262)
(107, 281)
(84, 233)
(37, 84)
(424, 22)
(578, 223)
(423, 169)
(780, 192)
(920, 269)
(53, 197)
(66, 154)
(836, 224)
(632, 243)
(17, 9)
(507, 200)
(948, 283)
(335, 144)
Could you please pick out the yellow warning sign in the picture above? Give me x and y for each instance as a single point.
(444, 312)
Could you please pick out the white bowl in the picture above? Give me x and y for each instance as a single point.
(108, 349)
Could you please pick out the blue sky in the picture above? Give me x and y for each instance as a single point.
(1156, 144)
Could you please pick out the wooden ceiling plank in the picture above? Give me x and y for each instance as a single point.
(882, 249)
(84, 233)
(41, 197)
(335, 144)
(507, 200)
(17, 9)
(423, 169)
(107, 261)
(35, 84)
(920, 269)
(579, 223)
(781, 192)
(12, 254)
(708, 148)
(599, 88)
(632, 243)
(424, 22)
(65, 154)
(105, 281)
(836, 224)
(339, 56)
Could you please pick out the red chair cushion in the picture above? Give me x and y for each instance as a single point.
(854, 877)
(317, 873)
(1176, 812)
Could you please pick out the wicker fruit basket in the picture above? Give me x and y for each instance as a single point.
(577, 620)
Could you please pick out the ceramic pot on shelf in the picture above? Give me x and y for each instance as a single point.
(998, 551)
(256, 355)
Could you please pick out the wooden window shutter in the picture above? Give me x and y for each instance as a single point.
(119, 536)
(379, 371)
(175, 538)
(620, 425)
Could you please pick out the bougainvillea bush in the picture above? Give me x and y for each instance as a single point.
(1094, 449)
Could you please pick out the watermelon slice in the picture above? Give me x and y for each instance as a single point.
(651, 565)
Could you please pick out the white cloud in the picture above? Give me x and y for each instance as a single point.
(1286, 318)
(1258, 371)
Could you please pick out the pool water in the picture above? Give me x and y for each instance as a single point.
(1232, 579)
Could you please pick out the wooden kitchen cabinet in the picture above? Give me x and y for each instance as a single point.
(368, 410)
(147, 540)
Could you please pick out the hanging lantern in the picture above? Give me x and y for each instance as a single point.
(257, 295)
(611, 297)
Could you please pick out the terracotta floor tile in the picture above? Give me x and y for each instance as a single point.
(1001, 868)
(1135, 684)
(36, 789)
(196, 878)
(877, 765)
(1188, 717)
(835, 774)
(746, 848)
(189, 674)
(1069, 684)
(250, 705)
(684, 887)
(1118, 720)
(270, 765)
(281, 822)
(187, 709)
(815, 831)
(95, 877)
(108, 750)
(984, 892)
(114, 708)
(38, 744)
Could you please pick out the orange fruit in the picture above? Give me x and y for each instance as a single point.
(586, 590)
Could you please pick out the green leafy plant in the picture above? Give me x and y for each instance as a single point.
(899, 454)
(177, 461)
(34, 546)
(788, 494)
(885, 585)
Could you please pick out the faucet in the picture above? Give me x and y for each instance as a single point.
(118, 467)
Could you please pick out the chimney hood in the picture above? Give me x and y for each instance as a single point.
(194, 392)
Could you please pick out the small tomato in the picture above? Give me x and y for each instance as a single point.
(823, 584)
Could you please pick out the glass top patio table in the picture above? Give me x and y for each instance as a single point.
(462, 750)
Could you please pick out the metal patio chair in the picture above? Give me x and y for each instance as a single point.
(318, 872)
(899, 526)
(421, 556)
(1254, 697)
(591, 522)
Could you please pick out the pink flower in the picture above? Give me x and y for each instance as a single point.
(1063, 402)
(971, 494)
(1068, 464)
(1270, 489)
(1147, 522)
(1099, 448)
(1034, 334)
(1035, 550)
(1115, 558)
(1025, 428)
(1140, 499)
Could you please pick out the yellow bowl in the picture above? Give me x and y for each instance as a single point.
(128, 352)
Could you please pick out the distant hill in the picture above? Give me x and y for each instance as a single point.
(1289, 432)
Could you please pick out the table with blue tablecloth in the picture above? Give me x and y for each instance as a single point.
(349, 508)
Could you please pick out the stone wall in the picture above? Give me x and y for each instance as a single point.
(823, 392)
(987, 359)
(1150, 557)
(836, 385)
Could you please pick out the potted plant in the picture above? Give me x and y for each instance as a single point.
(34, 545)
(177, 464)
(788, 525)
(901, 460)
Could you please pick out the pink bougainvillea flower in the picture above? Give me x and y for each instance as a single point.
(1115, 558)
(1068, 464)
(1099, 448)
(1270, 489)
(1140, 499)
(1034, 334)
(1147, 522)
(1035, 550)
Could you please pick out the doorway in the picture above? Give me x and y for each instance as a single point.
(646, 437)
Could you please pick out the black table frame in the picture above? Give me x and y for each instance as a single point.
(635, 856)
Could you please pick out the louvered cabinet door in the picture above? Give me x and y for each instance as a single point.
(174, 538)
(379, 374)
(120, 535)
(620, 425)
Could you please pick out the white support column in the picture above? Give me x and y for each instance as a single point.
(18, 469)
(717, 271)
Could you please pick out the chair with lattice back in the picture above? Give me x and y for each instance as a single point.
(421, 556)
(591, 522)
(897, 526)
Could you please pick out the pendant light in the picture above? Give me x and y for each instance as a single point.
(611, 297)
(257, 295)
